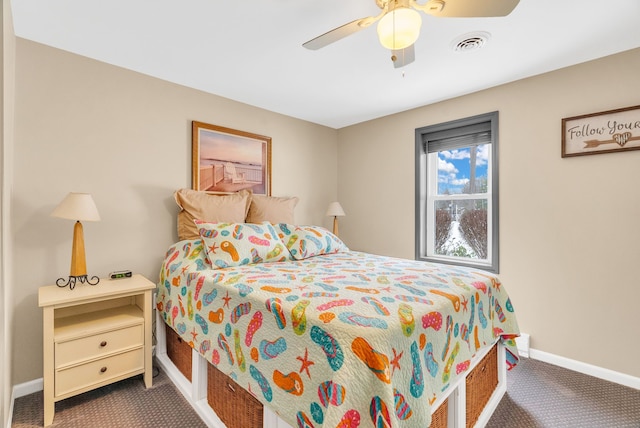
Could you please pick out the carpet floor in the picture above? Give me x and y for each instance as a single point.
(539, 395)
(122, 404)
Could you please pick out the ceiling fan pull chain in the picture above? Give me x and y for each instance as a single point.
(403, 63)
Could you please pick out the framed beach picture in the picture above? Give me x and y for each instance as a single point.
(226, 160)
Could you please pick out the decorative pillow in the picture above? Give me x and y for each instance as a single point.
(209, 207)
(308, 241)
(272, 209)
(237, 244)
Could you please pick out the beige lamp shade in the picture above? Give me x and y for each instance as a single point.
(335, 210)
(77, 206)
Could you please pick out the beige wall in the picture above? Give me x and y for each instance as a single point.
(7, 74)
(569, 234)
(87, 126)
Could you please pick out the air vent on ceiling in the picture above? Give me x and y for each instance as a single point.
(470, 41)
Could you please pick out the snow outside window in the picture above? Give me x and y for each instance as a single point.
(457, 192)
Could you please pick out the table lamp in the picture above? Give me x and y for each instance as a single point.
(79, 207)
(335, 210)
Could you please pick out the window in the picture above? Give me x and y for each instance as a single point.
(457, 192)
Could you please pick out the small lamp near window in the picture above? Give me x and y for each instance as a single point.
(79, 207)
(335, 210)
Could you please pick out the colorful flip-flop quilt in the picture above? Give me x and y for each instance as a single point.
(337, 340)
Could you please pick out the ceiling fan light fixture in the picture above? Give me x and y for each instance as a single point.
(399, 28)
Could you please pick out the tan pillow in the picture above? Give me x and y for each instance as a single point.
(210, 208)
(271, 209)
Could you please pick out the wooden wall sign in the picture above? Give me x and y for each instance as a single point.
(604, 132)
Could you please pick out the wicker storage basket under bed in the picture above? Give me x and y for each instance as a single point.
(235, 406)
(179, 352)
(440, 418)
(481, 383)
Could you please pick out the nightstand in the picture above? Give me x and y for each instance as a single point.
(94, 335)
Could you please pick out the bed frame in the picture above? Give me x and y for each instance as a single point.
(450, 411)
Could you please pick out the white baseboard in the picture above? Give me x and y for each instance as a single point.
(588, 369)
(21, 390)
(27, 388)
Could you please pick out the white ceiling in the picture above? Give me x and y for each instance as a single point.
(251, 51)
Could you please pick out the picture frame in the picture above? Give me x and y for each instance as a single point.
(604, 132)
(226, 160)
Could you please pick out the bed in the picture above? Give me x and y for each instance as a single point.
(328, 337)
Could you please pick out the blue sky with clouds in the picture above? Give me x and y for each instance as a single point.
(454, 168)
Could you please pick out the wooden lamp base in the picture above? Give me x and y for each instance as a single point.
(78, 262)
(335, 225)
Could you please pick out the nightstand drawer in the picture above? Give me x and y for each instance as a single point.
(90, 347)
(98, 371)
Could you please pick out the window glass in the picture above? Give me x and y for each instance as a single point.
(463, 170)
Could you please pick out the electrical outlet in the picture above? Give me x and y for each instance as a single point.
(523, 344)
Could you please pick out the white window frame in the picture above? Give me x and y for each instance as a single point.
(427, 194)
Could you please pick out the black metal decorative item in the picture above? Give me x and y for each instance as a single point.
(71, 281)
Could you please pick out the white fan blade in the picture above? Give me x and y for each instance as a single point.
(402, 57)
(467, 8)
(340, 32)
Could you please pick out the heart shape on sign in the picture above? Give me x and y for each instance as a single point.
(622, 139)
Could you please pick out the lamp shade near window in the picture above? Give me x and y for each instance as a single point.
(399, 28)
(335, 210)
(79, 207)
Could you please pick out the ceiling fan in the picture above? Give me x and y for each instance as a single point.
(400, 22)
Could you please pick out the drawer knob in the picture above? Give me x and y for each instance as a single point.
(102, 370)
(103, 343)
